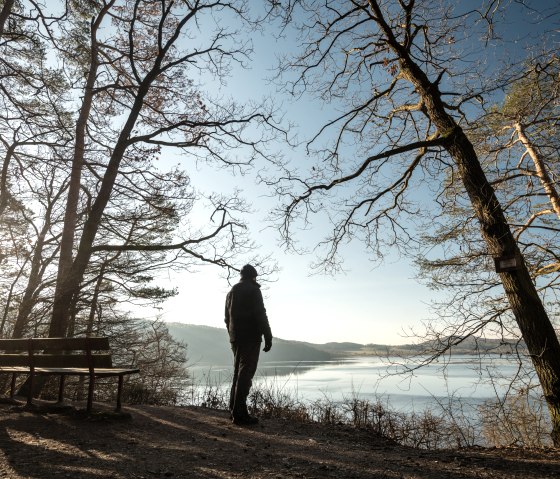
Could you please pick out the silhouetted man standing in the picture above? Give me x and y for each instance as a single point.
(247, 323)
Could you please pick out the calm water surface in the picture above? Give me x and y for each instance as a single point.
(374, 378)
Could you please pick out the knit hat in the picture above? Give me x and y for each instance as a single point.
(248, 272)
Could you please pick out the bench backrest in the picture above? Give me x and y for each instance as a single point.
(56, 352)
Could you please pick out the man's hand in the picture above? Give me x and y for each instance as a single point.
(267, 345)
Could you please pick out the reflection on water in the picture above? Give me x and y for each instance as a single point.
(370, 377)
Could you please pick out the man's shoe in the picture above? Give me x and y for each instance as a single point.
(245, 420)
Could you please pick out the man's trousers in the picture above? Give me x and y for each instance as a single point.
(246, 358)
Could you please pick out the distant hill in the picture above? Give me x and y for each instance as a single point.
(340, 347)
(470, 345)
(210, 346)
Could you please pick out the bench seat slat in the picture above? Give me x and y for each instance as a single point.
(14, 360)
(85, 371)
(57, 360)
(14, 369)
(14, 344)
(57, 344)
(70, 371)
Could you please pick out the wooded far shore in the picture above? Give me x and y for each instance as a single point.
(209, 345)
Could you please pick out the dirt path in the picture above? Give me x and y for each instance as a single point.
(189, 442)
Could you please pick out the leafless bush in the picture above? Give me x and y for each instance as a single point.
(212, 393)
(270, 398)
(518, 420)
(326, 411)
(462, 425)
(448, 426)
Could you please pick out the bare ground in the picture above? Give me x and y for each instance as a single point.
(189, 442)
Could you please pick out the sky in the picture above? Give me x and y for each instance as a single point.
(366, 304)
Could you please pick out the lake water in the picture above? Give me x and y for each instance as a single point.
(372, 378)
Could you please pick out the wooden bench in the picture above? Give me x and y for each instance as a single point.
(87, 357)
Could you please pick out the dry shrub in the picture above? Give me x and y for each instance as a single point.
(213, 394)
(450, 426)
(326, 411)
(518, 420)
(270, 398)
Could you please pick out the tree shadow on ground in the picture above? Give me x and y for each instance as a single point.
(202, 443)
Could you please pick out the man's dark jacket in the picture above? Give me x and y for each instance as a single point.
(245, 314)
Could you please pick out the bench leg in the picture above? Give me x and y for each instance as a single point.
(13, 386)
(31, 387)
(90, 392)
(61, 388)
(119, 392)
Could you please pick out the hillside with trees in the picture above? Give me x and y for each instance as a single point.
(210, 346)
(207, 345)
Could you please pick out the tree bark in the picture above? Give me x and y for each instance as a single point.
(530, 314)
(70, 283)
(540, 167)
(4, 195)
(4, 14)
(29, 296)
(59, 322)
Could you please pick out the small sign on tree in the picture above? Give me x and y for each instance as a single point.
(507, 263)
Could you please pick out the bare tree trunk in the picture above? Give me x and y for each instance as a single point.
(4, 178)
(530, 314)
(26, 304)
(4, 14)
(59, 322)
(540, 167)
(34, 280)
(94, 300)
(9, 300)
(70, 283)
(6, 309)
